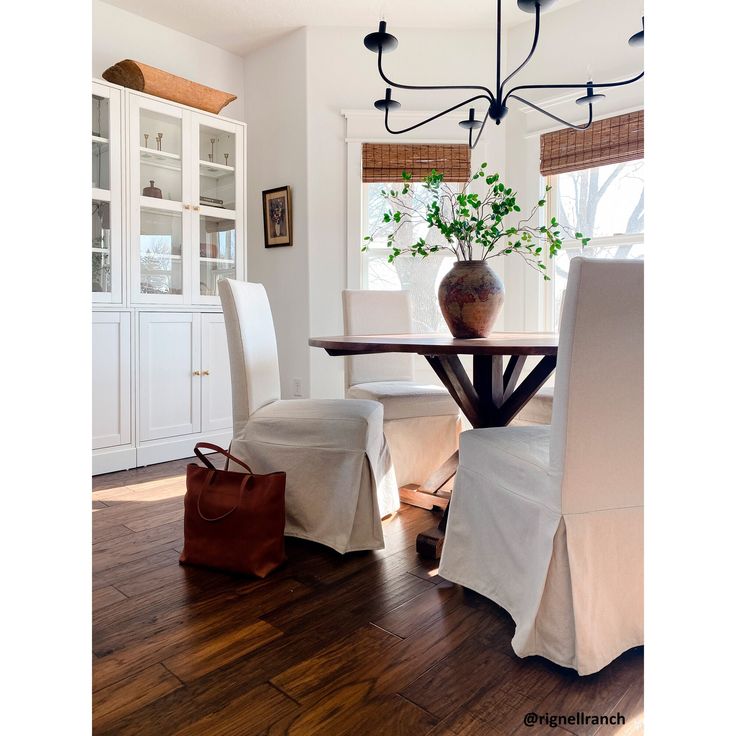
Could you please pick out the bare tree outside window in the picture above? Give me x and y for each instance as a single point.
(608, 203)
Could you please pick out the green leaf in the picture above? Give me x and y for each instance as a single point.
(541, 202)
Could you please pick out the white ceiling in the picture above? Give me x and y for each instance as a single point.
(240, 26)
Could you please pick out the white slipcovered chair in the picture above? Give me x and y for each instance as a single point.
(548, 521)
(339, 479)
(421, 421)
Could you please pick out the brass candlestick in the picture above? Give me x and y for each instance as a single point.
(145, 139)
(159, 138)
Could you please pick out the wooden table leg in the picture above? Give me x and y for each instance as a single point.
(490, 400)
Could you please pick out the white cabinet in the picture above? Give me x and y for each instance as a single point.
(107, 185)
(111, 379)
(217, 410)
(186, 202)
(168, 221)
(169, 355)
(184, 379)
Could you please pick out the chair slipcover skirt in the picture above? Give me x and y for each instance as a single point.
(571, 582)
(339, 478)
(421, 423)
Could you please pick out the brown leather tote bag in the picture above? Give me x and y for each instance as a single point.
(233, 521)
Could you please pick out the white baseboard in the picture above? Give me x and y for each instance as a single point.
(112, 459)
(160, 451)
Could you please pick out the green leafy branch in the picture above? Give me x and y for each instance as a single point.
(473, 226)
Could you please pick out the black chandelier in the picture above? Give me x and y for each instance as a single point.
(382, 42)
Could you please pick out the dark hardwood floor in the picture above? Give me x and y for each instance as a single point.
(368, 643)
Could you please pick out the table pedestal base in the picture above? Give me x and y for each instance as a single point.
(430, 543)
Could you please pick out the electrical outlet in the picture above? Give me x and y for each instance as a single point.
(297, 387)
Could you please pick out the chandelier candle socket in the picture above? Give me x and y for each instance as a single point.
(381, 42)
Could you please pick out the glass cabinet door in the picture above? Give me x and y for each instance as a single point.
(106, 195)
(159, 181)
(161, 252)
(217, 253)
(218, 225)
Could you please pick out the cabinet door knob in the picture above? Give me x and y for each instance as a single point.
(195, 207)
(205, 373)
(196, 373)
(186, 206)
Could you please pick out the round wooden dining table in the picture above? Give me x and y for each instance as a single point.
(492, 398)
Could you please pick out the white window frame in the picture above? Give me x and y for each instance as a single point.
(364, 225)
(548, 287)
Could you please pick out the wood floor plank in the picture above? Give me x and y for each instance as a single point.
(102, 597)
(429, 606)
(116, 701)
(105, 532)
(631, 707)
(333, 663)
(398, 665)
(245, 715)
(168, 574)
(491, 713)
(352, 711)
(232, 644)
(156, 613)
(131, 566)
(175, 633)
(453, 681)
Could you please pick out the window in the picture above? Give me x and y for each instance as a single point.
(605, 203)
(419, 276)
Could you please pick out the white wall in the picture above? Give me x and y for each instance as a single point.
(117, 35)
(276, 114)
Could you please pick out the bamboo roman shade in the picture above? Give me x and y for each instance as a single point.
(607, 141)
(387, 161)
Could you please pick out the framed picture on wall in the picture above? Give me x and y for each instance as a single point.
(277, 217)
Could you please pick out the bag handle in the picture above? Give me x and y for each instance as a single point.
(243, 485)
(216, 448)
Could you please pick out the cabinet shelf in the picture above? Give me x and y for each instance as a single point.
(160, 159)
(214, 171)
(99, 139)
(101, 195)
(216, 260)
(168, 256)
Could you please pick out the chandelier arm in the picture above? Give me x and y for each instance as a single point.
(531, 53)
(480, 132)
(554, 117)
(434, 117)
(585, 85)
(421, 87)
